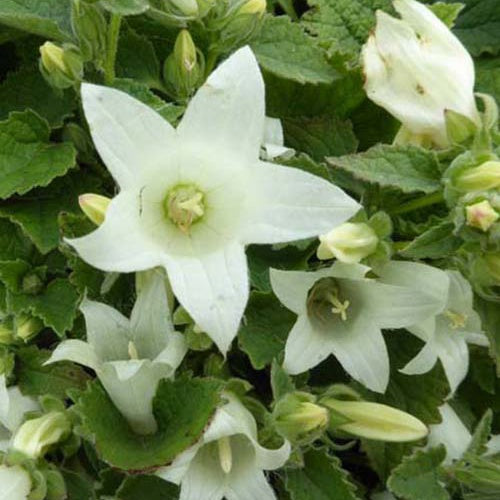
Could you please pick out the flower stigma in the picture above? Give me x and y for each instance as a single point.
(184, 205)
(132, 351)
(326, 294)
(456, 320)
(225, 454)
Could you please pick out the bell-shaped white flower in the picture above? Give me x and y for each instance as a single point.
(13, 407)
(341, 312)
(417, 69)
(228, 461)
(15, 483)
(191, 198)
(446, 333)
(131, 356)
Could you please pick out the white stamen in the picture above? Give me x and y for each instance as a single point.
(225, 454)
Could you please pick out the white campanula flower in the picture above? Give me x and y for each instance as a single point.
(130, 357)
(417, 69)
(447, 332)
(228, 461)
(341, 312)
(15, 483)
(191, 198)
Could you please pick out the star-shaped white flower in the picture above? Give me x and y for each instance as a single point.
(447, 332)
(191, 198)
(341, 312)
(15, 483)
(417, 69)
(228, 461)
(131, 356)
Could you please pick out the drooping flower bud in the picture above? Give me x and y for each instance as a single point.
(481, 215)
(35, 436)
(62, 67)
(376, 421)
(350, 242)
(482, 178)
(94, 206)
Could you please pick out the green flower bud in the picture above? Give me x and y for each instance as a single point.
(376, 421)
(62, 67)
(7, 361)
(94, 206)
(6, 333)
(481, 215)
(350, 242)
(187, 7)
(253, 7)
(459, 127)
(298, 418)
(32, 283)
(27, 327)
(182, 70)
(481, 178)
(492, 262)
(36, 436)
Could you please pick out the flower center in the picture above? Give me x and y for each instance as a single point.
(325, 299)
(225, 454)
(184, 205)
(456, 320)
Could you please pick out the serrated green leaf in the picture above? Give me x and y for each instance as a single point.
(436, 243)
(322, 478)
(407, 168)
(27, 158)
(418, 476)
(285, 50)
(126, 7)
(134, 488)
(265, 328)
(182, 409)
(320, 136)
(36, 379)
(46, 18)
(447, 12)
(27, 89)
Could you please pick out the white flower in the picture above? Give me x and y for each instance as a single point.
(341, 312)
(13, 407)
(228, 461)
(273, 144)
(191, 199)
(15, 483)
(447, 332)
(417, 69)
(131, 356)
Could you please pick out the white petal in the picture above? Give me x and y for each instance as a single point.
(131, 138)
(287, 204)
(122, 243)
(175, 351)
(150, 320)
(451, 432)
(108, 331)
(306, 347)
(227, 113)
(273, 132)
(361, 350)
(15, 482)
(422, 362)
(459, 294)
(77, 351)
(213, 289)
(176, 471)
(250, 485)
(13, 406)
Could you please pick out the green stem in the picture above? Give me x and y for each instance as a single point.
(424, 201)
(211, 60)
(112, 47)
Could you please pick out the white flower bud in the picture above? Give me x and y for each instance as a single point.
(481, 215)
(94, 206)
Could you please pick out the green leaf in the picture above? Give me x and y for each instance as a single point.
(447, 12)
(12, 272)
(27, 89)
(281, 382)
(284, 49)
(36, 379)
(134, 488)
(490, 321)
(481, 435)
(13, 244)
(37, 213)
(436, 243)
(27, 158)
(320, 136)
(56, 306)
(418, 476)
(78, 486)
(343, 25)
(182, 409)
(46, 18)
(265, 328)
(322, 478)
(407, 168)
(488, 76)
(125, 7)
(480, 475)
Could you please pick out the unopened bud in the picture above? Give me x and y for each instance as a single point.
(62, 67)
(481, 215)
(459, 127)
(32, 283)
(27, 327)
(350, 242)
(481, 178)
(253, 7)
(6, 333)
(297, 417)
(94, 206)
(35, 436)
(187, 7)
(377, 421)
